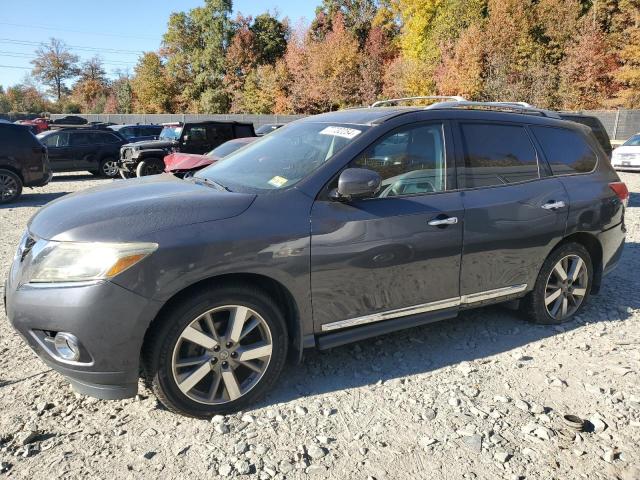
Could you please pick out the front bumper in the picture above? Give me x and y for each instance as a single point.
(110, 322)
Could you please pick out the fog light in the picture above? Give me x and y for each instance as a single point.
(67, 346)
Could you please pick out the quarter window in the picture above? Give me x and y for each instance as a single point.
(496, 155)
(57, 140)
(567, 151)
(410, 161)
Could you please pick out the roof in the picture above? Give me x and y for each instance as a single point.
(361, 116)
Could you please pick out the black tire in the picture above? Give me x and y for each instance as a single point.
(151, 166)
(534, 305)
(10, 186)
(158, 350)
(108, 168)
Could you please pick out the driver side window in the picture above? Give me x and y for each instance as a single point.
(410, 161)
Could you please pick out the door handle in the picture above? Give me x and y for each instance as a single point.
(437, 222)
(554, 205)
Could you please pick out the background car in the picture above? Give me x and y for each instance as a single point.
(138, 133)
(147, 158)
(77, 149)
(23, 161)
(627, 156)
(186, 164)
(70, 120)
(39, 124)
(267, 128)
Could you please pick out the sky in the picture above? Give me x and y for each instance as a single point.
(117, 30)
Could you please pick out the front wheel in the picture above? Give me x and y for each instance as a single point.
(10, 186)
(108, 168)
(562, 286)
(150, 167)
(217, 352)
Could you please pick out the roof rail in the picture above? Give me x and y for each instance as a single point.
(454, 98)
(507, 107)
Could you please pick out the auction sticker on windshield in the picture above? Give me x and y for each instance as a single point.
(343, 132)
(278, 181)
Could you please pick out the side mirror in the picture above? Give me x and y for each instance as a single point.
(357, 183)
(186, 138)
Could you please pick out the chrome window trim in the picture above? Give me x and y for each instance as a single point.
(426, 307)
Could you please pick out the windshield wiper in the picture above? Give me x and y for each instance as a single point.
(212, 183)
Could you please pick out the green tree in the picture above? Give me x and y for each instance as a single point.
(271, 36)
(53, 65)
(357, 16)
(194, 47)
(152, 87)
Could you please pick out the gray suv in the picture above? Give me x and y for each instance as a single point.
(332, 229)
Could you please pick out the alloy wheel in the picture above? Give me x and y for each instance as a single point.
(566, 287)
(222, 354)
(110, 168)
(8, 187)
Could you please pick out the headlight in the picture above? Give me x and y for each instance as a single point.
(81, 262)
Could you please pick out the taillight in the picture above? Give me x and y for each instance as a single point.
(621, 191)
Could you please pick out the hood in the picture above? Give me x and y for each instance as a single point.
(128, 210)
(627, 149)
(187, 161)
(149, 144)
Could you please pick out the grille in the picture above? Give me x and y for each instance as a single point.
(629, 156)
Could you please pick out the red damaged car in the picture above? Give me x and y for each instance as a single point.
(186, 164)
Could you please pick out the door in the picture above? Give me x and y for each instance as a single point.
(399, 250)
(59, 150)
(84, 152)
(514, 212)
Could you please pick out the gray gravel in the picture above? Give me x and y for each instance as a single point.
(482, 396)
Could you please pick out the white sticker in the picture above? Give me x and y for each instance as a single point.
(341, 132)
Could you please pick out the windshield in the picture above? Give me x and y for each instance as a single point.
(632, 142)
(171, 132)
(282, 158)
(264, 129)
(225, 149)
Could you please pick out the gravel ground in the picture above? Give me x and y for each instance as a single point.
(481, 396)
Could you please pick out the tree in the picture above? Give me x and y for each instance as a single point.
(586, 72)
(93, 69)
(25, 98)
(54, 64)
(462, 67)
(240, 59)
(377, 52)
(333, 69)
(92, 88)
(356, 15)
(194, 48)
(152, 87)
(271, 36)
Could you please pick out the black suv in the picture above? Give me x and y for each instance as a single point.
(77, 149)
(23, 161)
(147, 158)
(332, 229)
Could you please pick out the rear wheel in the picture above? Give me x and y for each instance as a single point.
(562, 287)
(109, 168)
(10, 186)
(152, 166)
(217, 352)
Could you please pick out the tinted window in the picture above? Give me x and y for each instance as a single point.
(56, 140)
(127, 132)
(197, 134)
(150, 131)
(80, 138)
(567, 151)
(632, 142)
(104, 138)
(496, 155)
(245, 131)
(220, 133)
(411, 161)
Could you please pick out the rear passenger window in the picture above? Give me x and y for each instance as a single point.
(567, 151)
(496, 155)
